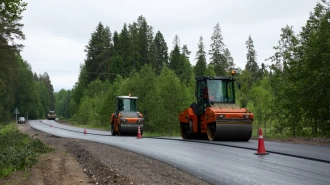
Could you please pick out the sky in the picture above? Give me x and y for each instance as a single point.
(57, 31)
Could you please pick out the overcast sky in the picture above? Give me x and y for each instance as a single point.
(57, 31)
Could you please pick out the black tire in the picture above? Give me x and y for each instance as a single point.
(118, 132)
(112, 130)
(211, 131)
(183, 131)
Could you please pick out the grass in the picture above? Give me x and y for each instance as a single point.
(18, 150)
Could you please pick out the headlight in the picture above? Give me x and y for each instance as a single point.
(140, 120)
(246, 116)
(221, 116)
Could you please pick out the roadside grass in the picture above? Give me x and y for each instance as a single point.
(18, 151)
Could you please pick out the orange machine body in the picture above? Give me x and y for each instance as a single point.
(215, 114)
(126, 120)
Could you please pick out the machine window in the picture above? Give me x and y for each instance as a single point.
(221, 91)
(127, 104)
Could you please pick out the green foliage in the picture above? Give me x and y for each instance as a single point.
(261, 99)
(62, 106)
(168, 100)
(159, 53)
(10, 31)
(44, 99)
(143, 85)
(287, 98)
(176, 60)
(201, 59)
(299, 77)
(251, 57)
(116, 66)
(98, 55)
(12, 8)
(18, 86)
(93, 107)
(220, 56)
(27, 98)
(209, 71)
(187, 71)
(18, 151)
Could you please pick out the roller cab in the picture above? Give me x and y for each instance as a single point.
(215, 115)
(126, 119)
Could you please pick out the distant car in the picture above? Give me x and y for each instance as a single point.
(21, 120)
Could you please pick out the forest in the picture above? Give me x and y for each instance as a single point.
(290, 97)
(32, 94)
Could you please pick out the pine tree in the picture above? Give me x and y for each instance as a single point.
(115, 49)
(104, 59)
(145, 38)
(26, 95)
(229, 60)
(134, 55)
(251, 57)
(124, 49)
(44, 98)
(185, 51)
(10, 31)
(116, 66)
(187, 69)
(94, 50)
(141, 37)
(159, 53)
(216, 52)
(201, 59)
(35, 77)
(176, 61)
(46, 80)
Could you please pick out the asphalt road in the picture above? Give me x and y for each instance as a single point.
(218, 162)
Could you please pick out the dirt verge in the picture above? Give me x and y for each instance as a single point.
(82, 162)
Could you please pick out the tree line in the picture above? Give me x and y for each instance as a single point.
(19, 87)
(290, 97)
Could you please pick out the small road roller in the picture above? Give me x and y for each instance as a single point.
(51, 115)
(126, 120)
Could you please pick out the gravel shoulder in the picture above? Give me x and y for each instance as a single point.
(83, 162)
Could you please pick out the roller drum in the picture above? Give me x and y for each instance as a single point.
(130, 129)
(233, 132)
